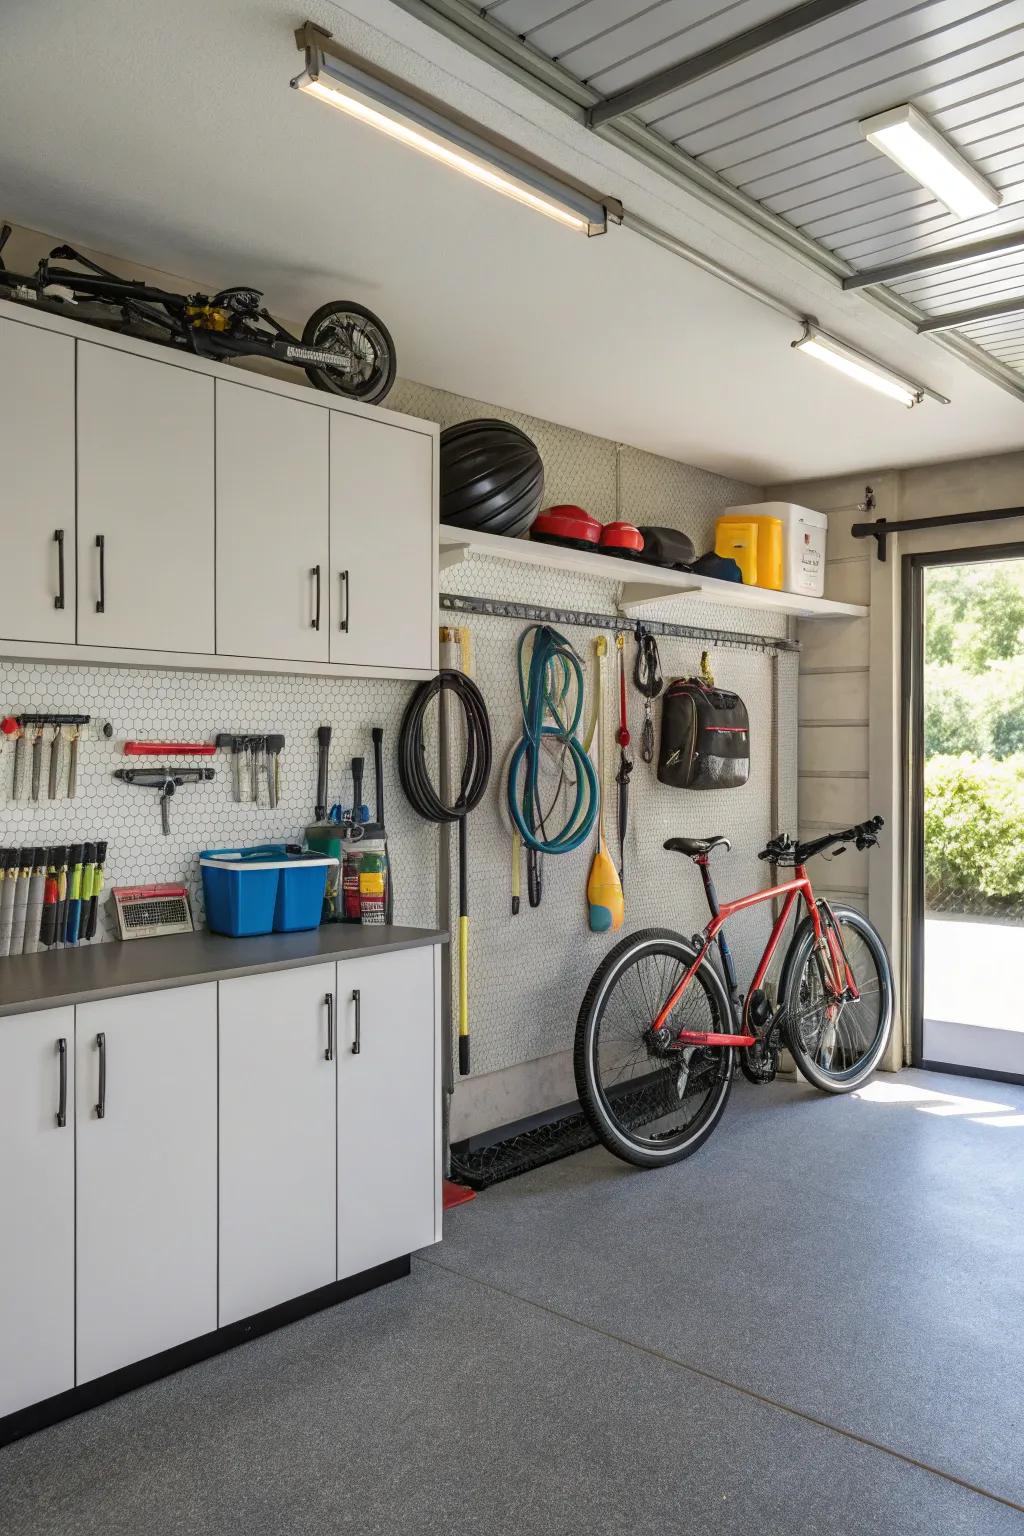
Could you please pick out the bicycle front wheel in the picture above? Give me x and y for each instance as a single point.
(838, 1042)
(648, 1105)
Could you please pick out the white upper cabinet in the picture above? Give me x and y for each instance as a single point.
(272, 524)
(37, 1207)
(145, 503)
(37, 483)
(383, 555)
(152, 507)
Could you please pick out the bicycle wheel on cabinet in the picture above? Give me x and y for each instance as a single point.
(838, 1044)
(649, 1106)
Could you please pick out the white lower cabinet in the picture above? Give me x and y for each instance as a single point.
(37, 1207)
(277, 1138)
(387, 1092)
(146, 1179)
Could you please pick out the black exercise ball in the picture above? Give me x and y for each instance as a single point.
(492, 477)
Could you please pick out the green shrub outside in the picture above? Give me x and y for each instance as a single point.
(974, 739)
(974, 831)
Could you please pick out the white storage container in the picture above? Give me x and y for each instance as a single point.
(803, 543)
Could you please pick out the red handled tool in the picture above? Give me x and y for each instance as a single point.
(161, 748)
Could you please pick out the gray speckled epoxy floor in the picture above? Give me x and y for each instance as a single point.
(813, 1326)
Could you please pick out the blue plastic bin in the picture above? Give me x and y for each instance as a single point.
(263, 890)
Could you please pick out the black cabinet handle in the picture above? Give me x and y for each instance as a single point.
(357, 1042)
(343, 621)
(315, 573)
(62, 1101)
(329, 1000)
(101, 1103)
(101, 601)
(58, 539)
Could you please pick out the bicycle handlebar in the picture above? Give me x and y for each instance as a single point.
(783, 850)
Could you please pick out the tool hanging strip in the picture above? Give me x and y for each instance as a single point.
(456, 602)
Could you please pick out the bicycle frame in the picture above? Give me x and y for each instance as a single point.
(791, 892)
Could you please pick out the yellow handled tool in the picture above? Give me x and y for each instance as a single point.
(605, 908)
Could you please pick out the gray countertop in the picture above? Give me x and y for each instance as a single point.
(52, 979)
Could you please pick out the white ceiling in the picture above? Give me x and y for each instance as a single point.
(167, 134)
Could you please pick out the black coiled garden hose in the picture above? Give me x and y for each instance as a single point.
(427, 802)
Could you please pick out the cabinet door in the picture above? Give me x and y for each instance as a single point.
(146, 1176)
(145, 487)
(277, 1139)
(37, 484)
(37, 1207)
(382, 544)
(388, 1176)
(272, 521)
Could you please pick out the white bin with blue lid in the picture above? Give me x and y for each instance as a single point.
(267, 889)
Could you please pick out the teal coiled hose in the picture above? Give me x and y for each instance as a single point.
(551, 695)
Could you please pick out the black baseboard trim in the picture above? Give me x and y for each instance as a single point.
(26, 1421)
(982, 1072)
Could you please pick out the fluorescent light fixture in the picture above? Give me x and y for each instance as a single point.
(906, 136)
(827, 349)
(339, 78)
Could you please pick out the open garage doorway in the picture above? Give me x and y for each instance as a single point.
(965, 647)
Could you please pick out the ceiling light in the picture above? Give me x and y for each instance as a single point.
(817, 343)
(906, 136)
(339, 78)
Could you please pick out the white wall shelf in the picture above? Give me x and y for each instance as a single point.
(641, 584)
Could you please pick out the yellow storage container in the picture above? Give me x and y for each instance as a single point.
(755, 543)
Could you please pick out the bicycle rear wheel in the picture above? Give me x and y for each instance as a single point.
(647, 1106)
(837, 1044)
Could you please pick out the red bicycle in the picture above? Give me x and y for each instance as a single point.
(663, 1021)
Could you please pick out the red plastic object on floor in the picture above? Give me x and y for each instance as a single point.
(455, 1194)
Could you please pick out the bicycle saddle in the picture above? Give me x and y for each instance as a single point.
(692, 846)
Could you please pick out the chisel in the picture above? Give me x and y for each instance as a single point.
(37, 762)
(76, 732)
(51, 782)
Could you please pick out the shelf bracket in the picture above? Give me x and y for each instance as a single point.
(637, 596)
(452, 554)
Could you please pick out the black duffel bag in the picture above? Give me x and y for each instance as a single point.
(705, 737)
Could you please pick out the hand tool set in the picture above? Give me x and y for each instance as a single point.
(167, 780)
(32, 735)
(255, 766)
(49, 897)
(364, 893)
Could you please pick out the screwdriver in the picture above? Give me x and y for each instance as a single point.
(19, 910)
(51, 894)
(73, 916)
(89, 927)
(8, 876)
(34, 910)
(88, 876)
